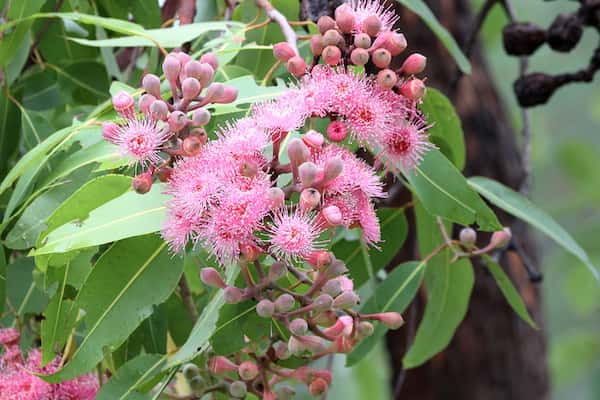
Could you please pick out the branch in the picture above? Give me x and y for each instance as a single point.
(277, 17)
(188, 300)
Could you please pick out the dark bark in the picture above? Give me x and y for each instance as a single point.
(494, 355)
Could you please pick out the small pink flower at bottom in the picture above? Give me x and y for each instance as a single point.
(293, 235)
(141, 139)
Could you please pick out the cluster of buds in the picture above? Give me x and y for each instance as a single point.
(18, 380)
(163, 127)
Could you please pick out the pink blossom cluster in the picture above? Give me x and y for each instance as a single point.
(19, 382)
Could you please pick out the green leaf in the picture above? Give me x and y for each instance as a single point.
(445, 192)
(205, 326)
(519, 206)
(130, 214)
(508, 290)
(449, 287)
(82, 82)
(17, 10)
(22, 292)
(394, 294)
(422, 10)
(10, 124)
(118, 295)
(2, 279)
(124, 384)
(394, 229)
(235, 322)
(446, 132)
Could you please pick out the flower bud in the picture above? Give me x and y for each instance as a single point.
(190, 88)
(325, 318)
(232, 295)
(211, 277)
(414, 64)
(214, 91)
(332, 215)
(333, 168)
(345, 20)
(295, 346)
(337, 131)
(307, 172)
(391, 320)
(205, 74)
(336, 329)
(151, 84)
(230, 94)
(285, 303)
(220, 365)
(365, 329)
(200, 134)
(362, 41)
(359, 56)
(318, 387)
(190, 370)
(332, 55)
(276, 197)
(371, 25)
(281, 350)
(309, 199)
(238, 389)
(346, 300)
(313, 344)
(296, 66)
(248, 370)
(336, 269)
(265, 308)
(172, 67)
(182, 57)
(145, 101)
(333, 287)
(283, 51)
(124, 104)
(210, 59)
(346, 283)
(323, 302)
(277, 271)
(467, 236)
(285, 393)
(197, 384)
(320, 259)
(387, 79)
(396, 43)
(110, 131)
(164, 173)
(191, 146)
(501, 238)
(316, 44)
(297, 151)
(201, 117)
(159, 110)
(192, 69)
(142, 183)
(250, 252)
(177, 121)
(298, 327)
(325, 23)
(382, 58)
(413, 89)
(313, 139)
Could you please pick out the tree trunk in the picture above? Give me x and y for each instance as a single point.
(494, 355)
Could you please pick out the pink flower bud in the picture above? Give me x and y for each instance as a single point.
(323, 302)
(337, 131)
(265, 308)
(200, 134)
(332, 215)
(467, 237)
(164, 173)
(277, 271)
(391, 320)
(296, 66)
(211, 277)
(220, 365)
(413, 89)
(387, 79)
(295, 346)
(346, 300)
(238, 389)
(325, 23)
(250, 252)
(307, 172)
(365, 329)
(248, 370)
(313, 139)
(298, 327)
(342, 344)
(124, 104)
(396, 43)
(332, 55)
(345, 20)
(211, 59)
(382, 58)
(320, 259)
(332, 38)
(316, 44)
(332, 169)
(110, 131)
(171, 67)
(151, 84)
(285, 303)
(501, 238)
(177, 121)
(318, 387)
(283, 51)
(159, 110)
(230, 94)
(192, 69)
(214, 91)
(190, 88)
(346, 283)
(336, 329)
(336, 269)
(362, 41)
(313, 344)
(371, 25)
(333, 287)
(232, 295)
(182, 57)
(281, 350)
(276, 197)
(191, 146)
(414, 64)
(359, 56)
(142, 183)
(297, 151)
(309, 199)
(201, 117)
(326, 318)
(145, 101)
(206, 74)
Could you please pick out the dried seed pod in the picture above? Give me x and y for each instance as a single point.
(522, 38)
(565, 32)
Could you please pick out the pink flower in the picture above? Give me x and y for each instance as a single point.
(293, 235)
(368, 221)
(9, 336)
(141, 139)
(285, 114)
(83, 387)
(366, 8)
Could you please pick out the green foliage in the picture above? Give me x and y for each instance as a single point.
(124, 385)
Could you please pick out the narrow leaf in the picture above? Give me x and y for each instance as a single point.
(124, 384)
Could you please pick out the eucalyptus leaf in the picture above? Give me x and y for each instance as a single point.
(124, 384)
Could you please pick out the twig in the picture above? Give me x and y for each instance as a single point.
(281, 20)
(188, 300)
(229, 8)
(187, 11)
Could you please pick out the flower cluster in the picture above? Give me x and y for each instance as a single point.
(269, 192)
(18, 382)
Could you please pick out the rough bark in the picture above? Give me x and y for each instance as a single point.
(494, 355)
